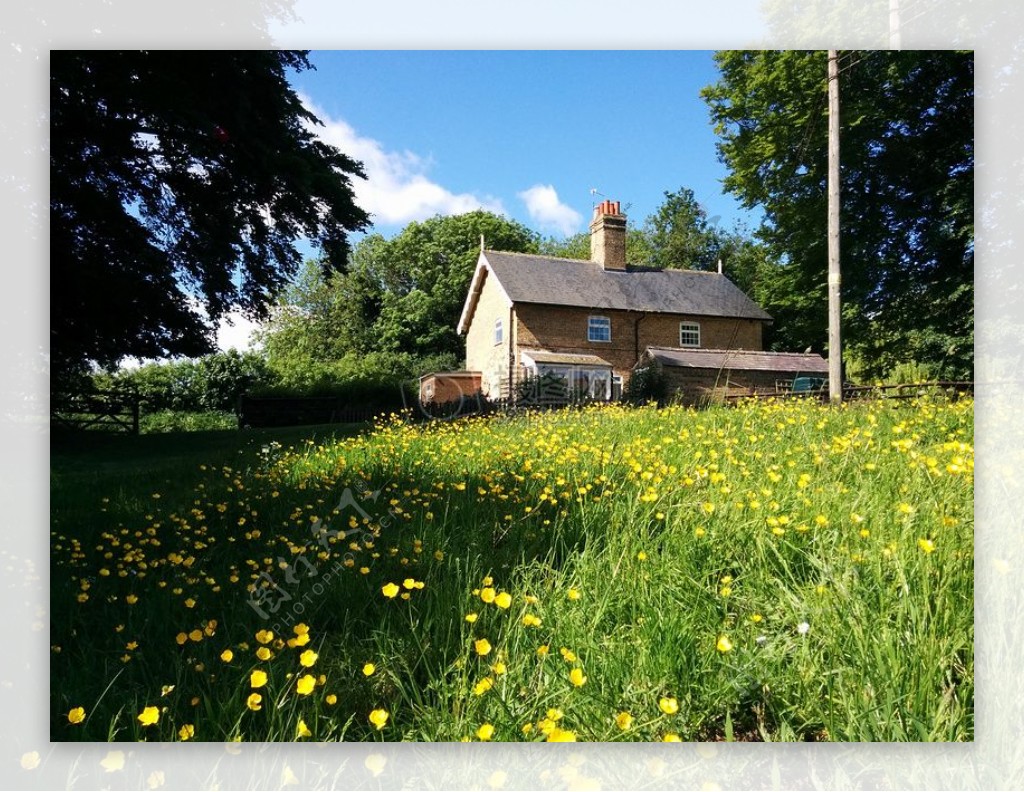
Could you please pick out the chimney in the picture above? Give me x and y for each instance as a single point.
(608, 236)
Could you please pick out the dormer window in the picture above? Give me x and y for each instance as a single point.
(599, 328)
(499, 331)
(689, 334)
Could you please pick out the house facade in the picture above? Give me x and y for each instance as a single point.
(590, 322)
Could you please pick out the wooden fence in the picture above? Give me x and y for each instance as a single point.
(298, 411)
(908, 390)
(104, 411)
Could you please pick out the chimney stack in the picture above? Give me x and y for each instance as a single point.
(608, 236)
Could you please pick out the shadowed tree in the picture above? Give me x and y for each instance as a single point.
(179, 183)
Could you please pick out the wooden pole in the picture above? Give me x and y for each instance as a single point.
(894, 24)
(835, 353)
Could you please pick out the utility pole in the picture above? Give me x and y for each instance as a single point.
(835, 350)
(894, 24)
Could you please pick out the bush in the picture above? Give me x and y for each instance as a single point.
(646, 384)
(210, 383)
(178, 421)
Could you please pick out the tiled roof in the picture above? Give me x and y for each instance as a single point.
(565, 358)
(556, 281)
(740, 360)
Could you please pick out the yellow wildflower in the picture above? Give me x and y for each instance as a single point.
(485, 732)
(379, 717)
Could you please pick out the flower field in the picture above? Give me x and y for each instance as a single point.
(773, 571)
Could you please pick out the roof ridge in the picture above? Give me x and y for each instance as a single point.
(629, 267)
(731, 351)
(540, 255)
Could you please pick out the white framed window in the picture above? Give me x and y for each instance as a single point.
(689, 334)
(499, 331)
(599, 328)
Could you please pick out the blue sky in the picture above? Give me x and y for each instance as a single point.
(524, 133)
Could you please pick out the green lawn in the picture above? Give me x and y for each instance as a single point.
(770, 571)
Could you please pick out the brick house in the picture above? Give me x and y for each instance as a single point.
(592, 321)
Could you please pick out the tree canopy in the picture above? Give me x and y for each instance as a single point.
(907, 232)
(396, 307)
(179, 182)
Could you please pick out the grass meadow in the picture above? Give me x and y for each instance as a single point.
(773, 571)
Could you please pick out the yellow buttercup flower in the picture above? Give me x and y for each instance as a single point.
(264, 636)
(389, 590)
(227, 655)
(254, 702)
(304, 686)
(149, 716)
(503, 600)
(77, 715)
(529, 620)
(308, 658)
(368, 669)
(187, 732)
(488, 594)
(379, 717)
(257, 679)
(671, 737)
(724, 644)
(483, 686)
(577, 678)
(331, 699)
(623, 720)
(471, 617)
(574, 594)
(302, 730)
(926, 546)
(485, 732)
(482, 646)
(263, 653)
(561, 735)
(668, 705)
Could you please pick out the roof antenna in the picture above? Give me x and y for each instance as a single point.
(594, 191)
(719, 266)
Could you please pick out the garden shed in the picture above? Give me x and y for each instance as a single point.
(698, 375)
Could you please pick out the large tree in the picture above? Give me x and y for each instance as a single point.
(399, 302)
(179, 183)
(907, 197)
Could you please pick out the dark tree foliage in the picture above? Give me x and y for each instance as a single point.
(907, 235)
(179, 182)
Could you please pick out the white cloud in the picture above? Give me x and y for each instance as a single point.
(396, 189)
(547, 211)
(234, 331)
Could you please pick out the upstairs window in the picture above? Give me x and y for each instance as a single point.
(599, 328)
(499, 334)
(689, 334)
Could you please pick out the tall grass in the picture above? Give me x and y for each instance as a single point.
(770, 572)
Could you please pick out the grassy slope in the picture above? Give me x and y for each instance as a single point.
(638, 540)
